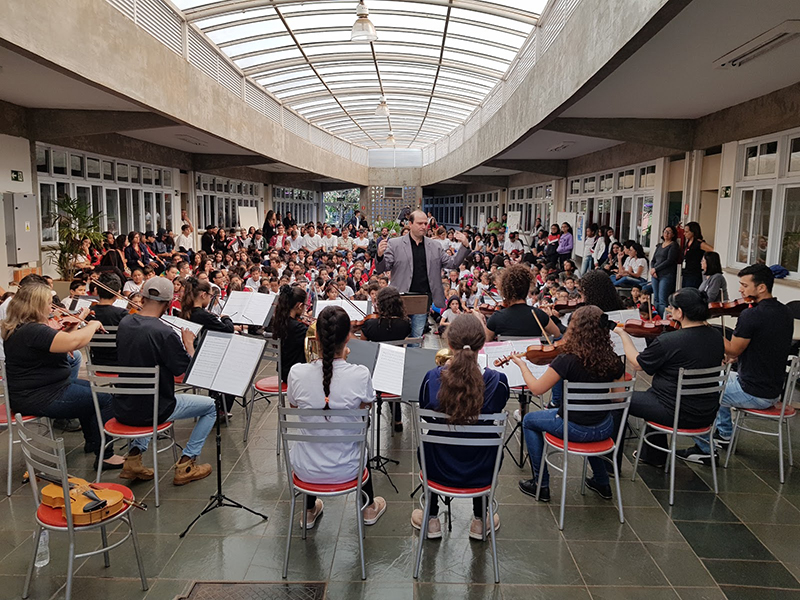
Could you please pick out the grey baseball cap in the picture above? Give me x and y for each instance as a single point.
(158, 289)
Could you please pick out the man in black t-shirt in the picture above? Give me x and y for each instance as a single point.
(761, 342)
(108, 314)
(144, 340)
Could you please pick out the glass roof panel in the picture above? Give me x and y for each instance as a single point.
(432, 82)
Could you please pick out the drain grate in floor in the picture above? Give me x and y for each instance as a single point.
(255, 590)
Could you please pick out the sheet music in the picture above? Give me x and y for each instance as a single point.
(238, 364)
(620, 316)
(388, 373)
(248, 308)
(351, 311)
(207, 360)
(495, 350)
(81, 303)
(195, 328)
(120, 303)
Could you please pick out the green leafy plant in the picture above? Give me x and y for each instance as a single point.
(391, 225)
(74, 221)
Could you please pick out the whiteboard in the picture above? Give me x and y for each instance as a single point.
(248, 217)
(512, 221)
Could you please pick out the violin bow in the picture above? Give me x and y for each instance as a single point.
(539, 323)
(350, 302)
(133, 303)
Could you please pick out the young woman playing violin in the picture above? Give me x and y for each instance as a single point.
(40, 380)
(587, 356)
(288, 327)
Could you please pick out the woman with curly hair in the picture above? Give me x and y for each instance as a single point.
(517, 318)
(598, 291)
(587, 357)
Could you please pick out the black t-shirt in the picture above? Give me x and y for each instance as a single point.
(111, 316)
(517, 320)
(36, 376)
(386, 330)
(693, 256)
(293, 347)
(210, 321)
(419, 276)
(148, 342)
(570, 368)
(769, 326)
(691, 348)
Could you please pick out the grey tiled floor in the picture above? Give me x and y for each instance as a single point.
(742, 544)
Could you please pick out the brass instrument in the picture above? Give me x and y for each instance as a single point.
(443, 355)
(310, 343)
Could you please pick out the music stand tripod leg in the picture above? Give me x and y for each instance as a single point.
(379, 462)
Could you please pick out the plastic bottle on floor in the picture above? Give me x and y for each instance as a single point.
(43, 551)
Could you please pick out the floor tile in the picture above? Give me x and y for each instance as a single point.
(695, 506)
(652, 524)
(594, 523)
(751, 573)
(619, 564)
(723, 540)
(338, 590)
(762, 508)
(695, 593)
(632, 593)
(543, 592)
(754, 593)
(388, 559)
(212, 558)
(680, 564)
(782, 540)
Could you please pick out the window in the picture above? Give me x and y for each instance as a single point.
(754, 226)
(606, 182)
(124, 218)
(625, 180)
(47, 198)
(624, 232)
(122, 172)
(760, 159)
(575, 186)
(134, 174)
(794, 155)
(112, 211)
(42, 160)
(157, 177)
(790, 243)
(93, 168)
(136, 203)
(529, 193)
(589, 185)
(167, 223)
(647, 177)
(108, 170)
(76, 165)
(167, 178)
(59, 163)
(147, 176)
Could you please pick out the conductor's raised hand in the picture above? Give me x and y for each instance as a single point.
(460, 236)
(382, 247)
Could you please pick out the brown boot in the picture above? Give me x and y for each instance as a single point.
(190, 471)
(134, 469)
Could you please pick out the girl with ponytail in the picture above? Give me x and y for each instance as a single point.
(460, 390)
(330, 383)
(288, 328)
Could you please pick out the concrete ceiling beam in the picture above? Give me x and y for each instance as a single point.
(47, 123)
(668, 133)
(213, 162)
(556, 168)
(494, 181)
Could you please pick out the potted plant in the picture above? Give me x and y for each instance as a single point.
(74, 221)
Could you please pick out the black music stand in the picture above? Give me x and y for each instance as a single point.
(378, 462)
(524, 402)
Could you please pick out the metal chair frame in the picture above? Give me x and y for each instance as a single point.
(404, 343)
(793, 371)
(430, 426)
(688, 382)
(272, 353)
(601, 400)
(146, 381)
(313, 433)
(47, 456)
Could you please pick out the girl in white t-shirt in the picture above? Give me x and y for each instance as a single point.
(634, 269)
(331, 382)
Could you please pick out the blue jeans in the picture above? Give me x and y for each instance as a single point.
(75, 359)
(734, 396)
(588, 263)
(189, 406)
(418, 325)
(76, 403)
(536, 424)
(663, 287)
(627, 281)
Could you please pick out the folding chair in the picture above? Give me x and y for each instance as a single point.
(131, 381)
(691, 382)
(266, 387)
(780, 414)
(7, 422)
(47, 456)
(433, 429)
(587, 397)
(346, 426)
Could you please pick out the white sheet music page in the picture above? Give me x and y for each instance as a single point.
(387, 376)
(238, 364)
(195, 328)
(248, 308)
(207, 360)
(620, 316)
(120, 303)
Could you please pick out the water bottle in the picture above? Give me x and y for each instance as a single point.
(43, 551)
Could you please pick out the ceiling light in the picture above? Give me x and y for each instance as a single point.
(390, 138)
(383, 108)
(363, 29)
(766, 42)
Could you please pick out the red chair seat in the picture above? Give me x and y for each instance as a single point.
(772, 411)
(327, 488)
(179, 378)
(25, 419)
(114, 427)
(581, 447)
(54, 518)
(628, 377)
(99, 374)
(454, 491)
(668, 429)
(269, 385)
(387, 396)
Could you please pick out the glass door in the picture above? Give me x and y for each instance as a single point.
(112, 211)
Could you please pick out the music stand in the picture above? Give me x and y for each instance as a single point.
(415, 304)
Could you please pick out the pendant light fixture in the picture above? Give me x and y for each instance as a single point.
(363, 30)
(383, 108)
(390, 138)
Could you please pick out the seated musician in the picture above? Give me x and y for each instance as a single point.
(392, 324)
(460, 390)
(587, 357)
(517, 318)
(108, 314)
(41, 380)
(144, 340)
(288, 328)
(331, 383)
(694, 346)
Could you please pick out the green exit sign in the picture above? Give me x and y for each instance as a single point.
(16, 176)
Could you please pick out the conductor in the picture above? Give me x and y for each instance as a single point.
(416, 263)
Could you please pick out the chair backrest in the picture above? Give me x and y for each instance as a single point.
(272, 353)
(348, 426)
(125, 381)
(45, 456)
(596, 397)
(487, 432)
(792, 373)
(404, 342)
(106, 342)
(794, 306)
(699, 382)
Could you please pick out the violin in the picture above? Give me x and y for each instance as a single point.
(538, 354)
(733, 308)
(61, 318)
(89, 502)
(488, 310)
(646, 329)
(357, 325)
(568, 306)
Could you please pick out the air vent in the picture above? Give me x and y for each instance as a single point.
(758, 46)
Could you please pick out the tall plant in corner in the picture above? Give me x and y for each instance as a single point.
(74, 221)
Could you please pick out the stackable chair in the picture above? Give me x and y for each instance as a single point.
(119, 381)
(691, 382)
(779, 414)
(432, 428)
(266, 387)
(304, 432)
(46, 456)
(587, 397)
(7, 422)
(101, 341)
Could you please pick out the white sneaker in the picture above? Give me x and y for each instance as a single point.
(517, 415)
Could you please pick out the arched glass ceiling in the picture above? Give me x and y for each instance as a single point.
(434, 60)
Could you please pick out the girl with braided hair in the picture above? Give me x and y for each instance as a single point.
(331, 383)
